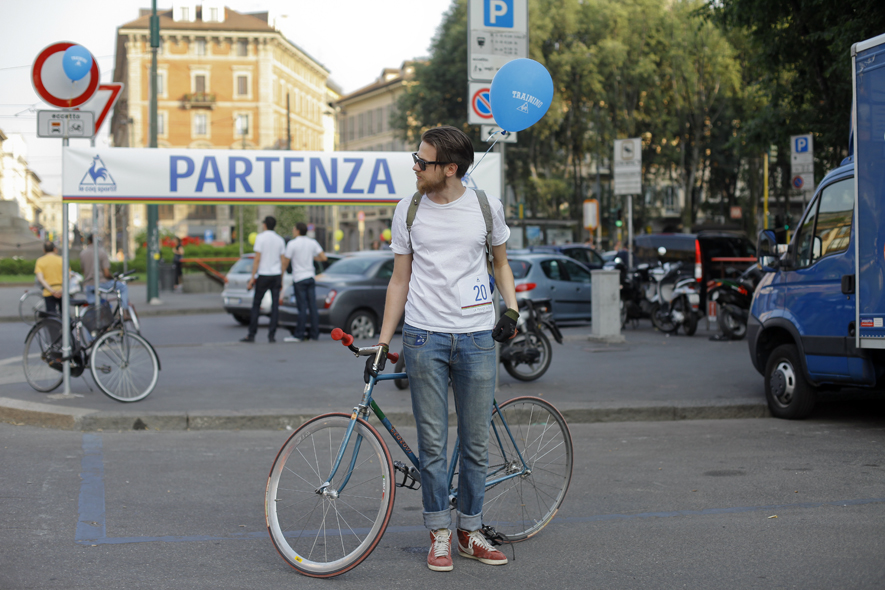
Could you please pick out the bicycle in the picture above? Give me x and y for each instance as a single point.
(123, 363)
(331, 488)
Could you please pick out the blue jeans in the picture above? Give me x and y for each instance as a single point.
(89, 289)
(431, 358)
(306, 299)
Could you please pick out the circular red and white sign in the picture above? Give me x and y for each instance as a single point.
(53, 85)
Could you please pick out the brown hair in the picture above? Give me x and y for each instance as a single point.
(452, 145)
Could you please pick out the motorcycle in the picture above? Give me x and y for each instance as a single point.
(673, 299)
(527, 355)
(733, 298)
(632, 294)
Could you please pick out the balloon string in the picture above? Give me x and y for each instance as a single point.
(468, 175)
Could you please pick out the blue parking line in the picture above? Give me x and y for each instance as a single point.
(91, 520)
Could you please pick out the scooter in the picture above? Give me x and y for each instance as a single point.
(733, 298)
(527, 355)
(632, 292)
(674, 299)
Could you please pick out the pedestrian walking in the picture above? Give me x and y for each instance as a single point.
(177, 255)
(267, 275)
(441, 282)
(49, 273)
(87, 266)
(302, 251)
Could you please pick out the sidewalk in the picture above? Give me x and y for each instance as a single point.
(172, 303)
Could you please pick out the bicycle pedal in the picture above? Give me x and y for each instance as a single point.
(411, 476)
(493, 536)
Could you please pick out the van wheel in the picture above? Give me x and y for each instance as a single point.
(789, 395)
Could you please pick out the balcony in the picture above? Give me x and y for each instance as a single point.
(198, 100)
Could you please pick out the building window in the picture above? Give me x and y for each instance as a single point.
(200, 47)
(200, 83)
(213, 15)
(166, 212)
(201, 212)
(242, 125)
(201, 124)
(379, 120)
(161, 83)
(161, 123)
(361, 123)
(185, 13)
(369, 125)
(242, 48)
(242, 85)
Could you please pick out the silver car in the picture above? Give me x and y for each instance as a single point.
(562, 280)
(237, 299)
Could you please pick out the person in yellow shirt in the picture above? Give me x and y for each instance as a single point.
(49, 274)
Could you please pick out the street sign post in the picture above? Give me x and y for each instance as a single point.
(802, 162)
(628, 166)
(493, 132)
(497, 33)
(63, 124)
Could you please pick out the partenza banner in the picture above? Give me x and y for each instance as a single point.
(143, 175)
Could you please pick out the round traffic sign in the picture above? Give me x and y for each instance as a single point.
(481, 103)
(798, 182)
(53, 85)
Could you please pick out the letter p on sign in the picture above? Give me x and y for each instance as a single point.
(498, 13)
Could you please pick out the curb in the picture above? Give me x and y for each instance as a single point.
(145, 311)
(23, 413)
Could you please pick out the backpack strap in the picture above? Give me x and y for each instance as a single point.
(486, 215)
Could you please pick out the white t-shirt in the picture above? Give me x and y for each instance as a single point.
(301, 251)
(449, 288)
(271, 246)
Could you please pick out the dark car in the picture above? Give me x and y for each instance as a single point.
(561, 279)
(584, 254)
(707, 254)
(350, 294)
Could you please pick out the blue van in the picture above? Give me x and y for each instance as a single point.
(817, 321)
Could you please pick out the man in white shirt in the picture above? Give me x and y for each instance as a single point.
(302, 251)
(267, 266)
(441, 282)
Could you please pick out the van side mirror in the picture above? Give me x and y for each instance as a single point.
(766, 250)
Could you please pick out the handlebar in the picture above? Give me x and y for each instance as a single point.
(347, 340)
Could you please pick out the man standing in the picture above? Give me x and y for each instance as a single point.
(302, 251)
(49, 274)
(440, 280)
(268, 248)
(87, 265)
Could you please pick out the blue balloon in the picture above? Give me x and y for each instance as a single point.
(520, 95)
(77, 62)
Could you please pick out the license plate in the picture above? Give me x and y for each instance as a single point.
(236, 301)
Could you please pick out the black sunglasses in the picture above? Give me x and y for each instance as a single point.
(423, 163)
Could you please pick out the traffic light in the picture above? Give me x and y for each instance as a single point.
(619, 220)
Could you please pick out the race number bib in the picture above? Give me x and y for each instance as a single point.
(476, 297)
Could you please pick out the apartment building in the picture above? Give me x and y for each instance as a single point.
(225, 80)
(364, 118)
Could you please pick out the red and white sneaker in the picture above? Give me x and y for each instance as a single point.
(439, 558)
(474, 545)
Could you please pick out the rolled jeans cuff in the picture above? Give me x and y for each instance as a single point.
(438, 520)
(469, 523)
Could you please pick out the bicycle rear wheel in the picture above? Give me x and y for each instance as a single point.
(521, 506)
(41, 359)
(326, 533)
(124, 366)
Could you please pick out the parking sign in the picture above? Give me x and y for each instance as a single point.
(497, 13)
(497, 34)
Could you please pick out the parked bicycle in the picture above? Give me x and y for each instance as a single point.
(123, 364)
(329, 496)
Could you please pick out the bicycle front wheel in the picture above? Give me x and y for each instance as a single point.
(325, 528)
(530, 438)
(124, 366)
(41, 359)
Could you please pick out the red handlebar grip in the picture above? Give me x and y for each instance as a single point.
(337, 334)
(347, 340)
(392, 357)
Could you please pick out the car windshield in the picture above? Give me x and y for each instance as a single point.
(242, 266)
(355, 265)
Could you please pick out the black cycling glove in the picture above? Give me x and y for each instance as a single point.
(505, 329)
(381, 363)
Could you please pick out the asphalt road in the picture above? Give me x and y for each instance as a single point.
(754, 503)
(205, 368)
